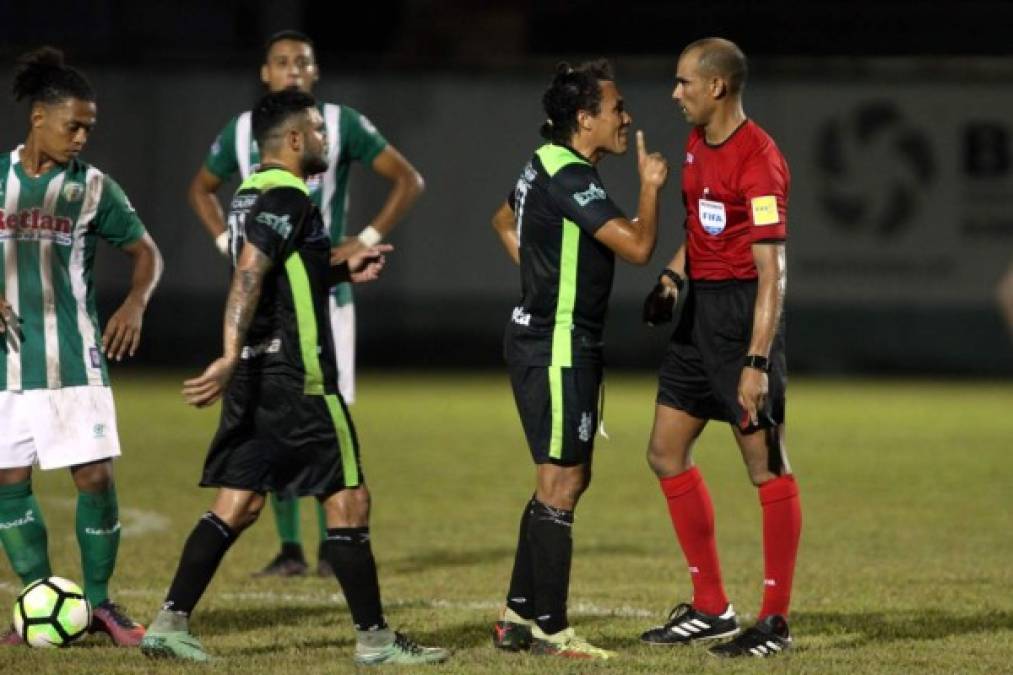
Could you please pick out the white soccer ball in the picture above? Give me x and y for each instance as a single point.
(51, 612)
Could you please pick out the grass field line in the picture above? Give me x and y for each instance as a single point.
(580, 608)
(133, 521)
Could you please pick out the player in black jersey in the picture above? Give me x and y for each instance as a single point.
(562, 228)
(284, 427)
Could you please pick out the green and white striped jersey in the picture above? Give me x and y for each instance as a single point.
(351, 137)
(49, 228)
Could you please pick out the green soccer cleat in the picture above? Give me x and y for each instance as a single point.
(180, 645)
(401, 651)
(568, 645)
(169, 637)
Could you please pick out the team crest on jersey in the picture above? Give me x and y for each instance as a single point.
(73, 191)
(689, 158)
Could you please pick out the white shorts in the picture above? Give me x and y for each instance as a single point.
(343, 329)
(57, 427)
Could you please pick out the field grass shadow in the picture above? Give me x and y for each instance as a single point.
(442, 558)
(233, 620)
(860, 628)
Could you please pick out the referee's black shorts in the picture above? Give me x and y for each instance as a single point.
(704, 360)
(559, 411)
(272, 438)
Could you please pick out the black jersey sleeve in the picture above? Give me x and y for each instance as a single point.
(581, 196)
(275, 221)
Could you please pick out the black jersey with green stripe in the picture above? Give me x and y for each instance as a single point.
(290, 336)
(351, 137)
(566, 274)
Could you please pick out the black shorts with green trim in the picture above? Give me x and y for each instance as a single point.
(272, 438)
(559, 411)
(704, 360)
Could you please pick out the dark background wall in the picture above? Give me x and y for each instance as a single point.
(895, 118)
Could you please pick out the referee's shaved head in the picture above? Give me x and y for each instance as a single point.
(721, 58)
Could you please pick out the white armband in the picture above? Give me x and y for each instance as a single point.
(222, 243)
(370, 237)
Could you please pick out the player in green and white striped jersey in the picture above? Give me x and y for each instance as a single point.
(55, 401)
(289, 62)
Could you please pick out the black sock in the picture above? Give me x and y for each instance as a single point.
(203, 551)
(348, 551)
(292, 551)
(551, 541)
(522, 580)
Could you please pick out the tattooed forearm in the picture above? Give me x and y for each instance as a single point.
(243, 297)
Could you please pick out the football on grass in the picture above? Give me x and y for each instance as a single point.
(51, 612)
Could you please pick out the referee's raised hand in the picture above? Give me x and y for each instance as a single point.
(652, 166)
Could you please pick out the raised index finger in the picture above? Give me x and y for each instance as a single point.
(641, 146)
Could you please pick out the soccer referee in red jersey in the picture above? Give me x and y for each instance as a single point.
(726, 357)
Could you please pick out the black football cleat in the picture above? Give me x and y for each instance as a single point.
(686, 625)
(768, 637)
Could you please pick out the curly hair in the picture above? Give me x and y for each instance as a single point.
(572, 90)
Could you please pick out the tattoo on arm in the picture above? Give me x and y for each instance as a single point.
(244, 295)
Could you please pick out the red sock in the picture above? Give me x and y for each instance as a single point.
(782, 524)
(689, 505)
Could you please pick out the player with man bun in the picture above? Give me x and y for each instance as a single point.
(55, 401)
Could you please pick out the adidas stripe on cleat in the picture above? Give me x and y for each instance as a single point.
(768, 637)
(686, 624)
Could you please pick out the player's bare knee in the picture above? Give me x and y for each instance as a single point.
(658, 461)
(348, 508)
(16, 475)
(564, 492)
(664, 462)
(359, 502)
(254, 507)
(759, 473)
(94, 476)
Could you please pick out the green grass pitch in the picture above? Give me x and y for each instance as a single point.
(906, 562)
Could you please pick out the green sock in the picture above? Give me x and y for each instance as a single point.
(286, 517)
(98, 535)
(23, 532)
(321, 523)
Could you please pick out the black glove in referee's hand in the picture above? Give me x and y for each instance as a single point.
(658, 305)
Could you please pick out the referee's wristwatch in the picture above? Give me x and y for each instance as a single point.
(761, 363)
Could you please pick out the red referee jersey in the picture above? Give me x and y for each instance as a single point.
(735, 194)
